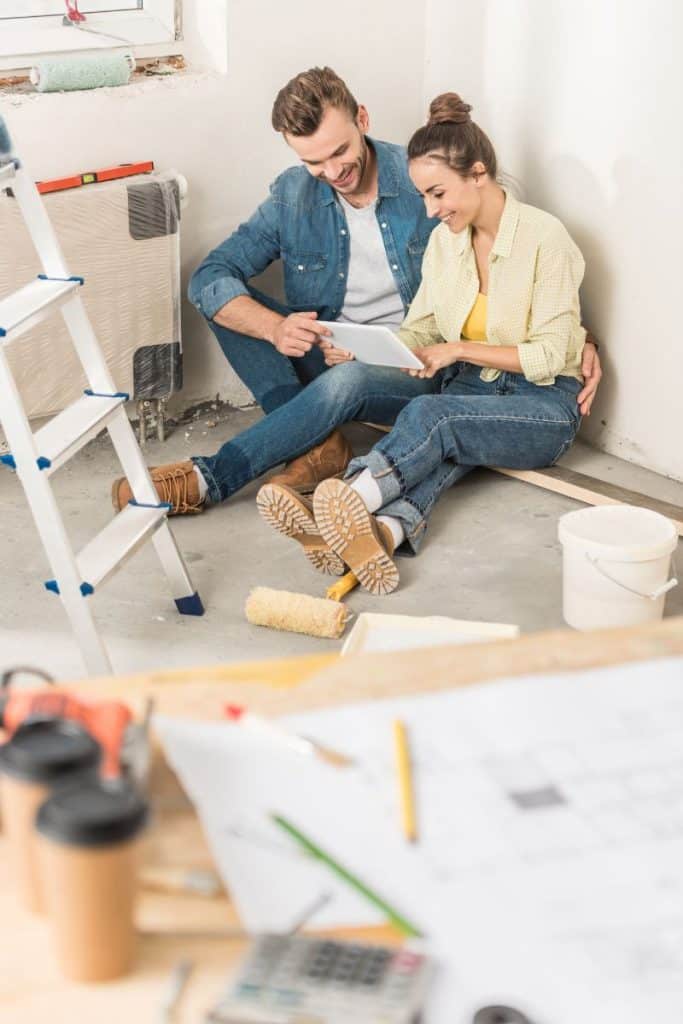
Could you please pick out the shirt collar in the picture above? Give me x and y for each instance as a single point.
(502, 244)
(387, 168)
(387, 173)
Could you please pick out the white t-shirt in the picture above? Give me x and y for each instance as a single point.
(371, 293)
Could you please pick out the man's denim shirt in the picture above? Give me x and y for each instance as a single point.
(302, 223)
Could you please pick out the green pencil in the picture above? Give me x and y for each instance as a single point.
(310, 847)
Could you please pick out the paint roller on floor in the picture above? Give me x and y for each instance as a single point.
(300, 613)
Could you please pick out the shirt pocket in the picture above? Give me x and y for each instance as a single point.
(305, 277)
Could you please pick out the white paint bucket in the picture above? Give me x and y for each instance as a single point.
(615, 565)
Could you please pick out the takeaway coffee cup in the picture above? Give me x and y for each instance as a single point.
(87, 848)
(40, 756)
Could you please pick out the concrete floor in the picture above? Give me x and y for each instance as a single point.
(492, 553)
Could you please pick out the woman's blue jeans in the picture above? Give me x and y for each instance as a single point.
(438, 438)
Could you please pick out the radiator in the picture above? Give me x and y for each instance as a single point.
(123, 237)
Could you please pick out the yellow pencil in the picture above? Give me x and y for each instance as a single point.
(405, 781)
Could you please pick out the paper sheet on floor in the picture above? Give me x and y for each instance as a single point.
(549, 868)
(372, 632)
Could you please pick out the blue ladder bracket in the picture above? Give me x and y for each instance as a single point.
(191, 605)
(142, 504)
(72, 277)
(103, 394)
(9, 460)
(3, 332)
(85, 588)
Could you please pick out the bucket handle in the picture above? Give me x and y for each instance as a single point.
(652, 596)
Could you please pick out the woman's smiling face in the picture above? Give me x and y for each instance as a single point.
(450, 197)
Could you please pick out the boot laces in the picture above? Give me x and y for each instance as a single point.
(174, 487)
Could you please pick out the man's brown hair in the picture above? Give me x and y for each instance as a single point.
(300, 105)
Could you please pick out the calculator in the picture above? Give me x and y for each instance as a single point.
(299, 979)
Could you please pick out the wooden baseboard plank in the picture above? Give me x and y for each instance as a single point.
(593, 492)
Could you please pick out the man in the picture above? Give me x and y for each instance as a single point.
(351, 230)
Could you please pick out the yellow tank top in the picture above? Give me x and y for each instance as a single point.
(474, 328)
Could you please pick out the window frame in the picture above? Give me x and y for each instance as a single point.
(59, 8)
(155, 30)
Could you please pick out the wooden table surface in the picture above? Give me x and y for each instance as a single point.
(31, 989)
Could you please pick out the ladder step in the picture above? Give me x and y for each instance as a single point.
(117, 541)
(32, 303)
(72, 428)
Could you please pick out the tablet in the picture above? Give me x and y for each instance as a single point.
(372, 344)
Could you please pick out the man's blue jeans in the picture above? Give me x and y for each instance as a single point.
(271, 377)
(440, 437)
(349, 391)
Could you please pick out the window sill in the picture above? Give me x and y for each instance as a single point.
(20, 93)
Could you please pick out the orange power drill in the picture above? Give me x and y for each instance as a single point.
(124, 742)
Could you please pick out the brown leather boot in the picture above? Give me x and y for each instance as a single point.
(354, 534)
(176, 483)
(291, 514)
(325, 460)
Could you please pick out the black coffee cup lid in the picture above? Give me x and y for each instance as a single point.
(49, 750)
(93, 812)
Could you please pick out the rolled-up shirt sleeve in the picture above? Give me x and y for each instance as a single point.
(224, 274)
(555, 316)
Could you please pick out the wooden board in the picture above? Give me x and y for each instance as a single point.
(327, 680)
(593, 492)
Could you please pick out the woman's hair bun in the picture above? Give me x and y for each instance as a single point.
(448, 108)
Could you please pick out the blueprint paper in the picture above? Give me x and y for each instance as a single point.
(549, 868)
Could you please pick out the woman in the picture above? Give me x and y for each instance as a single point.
(496, 323)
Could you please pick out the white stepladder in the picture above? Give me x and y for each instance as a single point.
(35, 456)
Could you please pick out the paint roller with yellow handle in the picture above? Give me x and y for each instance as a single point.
(300, 613)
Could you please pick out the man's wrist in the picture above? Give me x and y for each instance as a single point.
(271, 326)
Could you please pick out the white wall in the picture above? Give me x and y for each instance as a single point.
(215, 127)
(584, 102)
(582, 99)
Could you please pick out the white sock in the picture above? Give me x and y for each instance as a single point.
(203, 486)
(396, 527)
(366, 486)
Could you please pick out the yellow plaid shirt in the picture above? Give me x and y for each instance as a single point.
(535, 270)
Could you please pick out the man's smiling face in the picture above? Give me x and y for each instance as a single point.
(337, 152)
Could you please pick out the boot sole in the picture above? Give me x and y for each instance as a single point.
(351, 531)
(281, 509)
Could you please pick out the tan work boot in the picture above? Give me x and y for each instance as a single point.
(325, 460)
(291, 514)
(176, 483)
(355, 536)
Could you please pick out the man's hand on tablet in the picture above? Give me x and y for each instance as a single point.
(297, 333)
